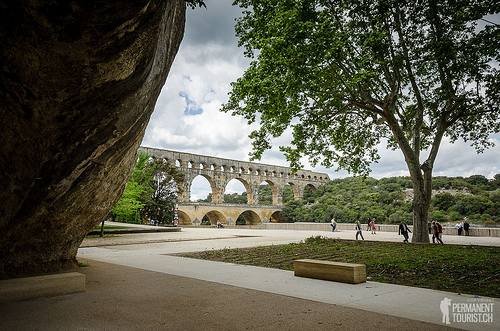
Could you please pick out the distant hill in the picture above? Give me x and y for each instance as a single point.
(388, 200)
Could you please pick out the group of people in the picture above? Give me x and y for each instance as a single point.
(465, 227)
(435, 229)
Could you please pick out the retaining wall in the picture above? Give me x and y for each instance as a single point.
(449, 231)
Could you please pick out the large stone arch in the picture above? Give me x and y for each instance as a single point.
(184, 218)
(214, 216)
(277, 218)
(212, 184)
(311, 186)
(246, 185)
(276, 191)
(296, 190)
(250, 217)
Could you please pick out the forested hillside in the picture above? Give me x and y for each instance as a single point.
(387, 200)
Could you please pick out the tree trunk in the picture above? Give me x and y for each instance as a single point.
(102, 229)
(420, 228)
(421, 203)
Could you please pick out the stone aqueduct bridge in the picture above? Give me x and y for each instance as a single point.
(219, 172)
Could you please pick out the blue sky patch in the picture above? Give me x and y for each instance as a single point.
(192, 107)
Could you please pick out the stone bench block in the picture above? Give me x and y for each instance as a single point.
(41, 286)
(328, 270)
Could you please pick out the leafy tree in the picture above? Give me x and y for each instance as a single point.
(194, 3)
(443, 201)
(135, 193)
(235, 198)
(477, 180)
(150, 192)
(205, 220)
(346, 75)
(240, 221)
(163, 180)
(265, 195)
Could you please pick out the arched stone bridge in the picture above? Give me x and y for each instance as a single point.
(219, 171)
(191, 213)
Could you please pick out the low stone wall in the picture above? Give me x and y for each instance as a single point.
(306, 226)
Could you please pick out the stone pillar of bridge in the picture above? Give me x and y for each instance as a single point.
(278, 199)
(253, 197)
(186, 189)
(300, 190)
(219, 196)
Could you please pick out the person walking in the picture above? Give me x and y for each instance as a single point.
(466, 227)
(429, 225)
(440, 232)
(358, 231)
(369, 225)
(435, 233)
(334, 224)
(373, 227)
(403, 229)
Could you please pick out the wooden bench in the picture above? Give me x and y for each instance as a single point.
(328, 270)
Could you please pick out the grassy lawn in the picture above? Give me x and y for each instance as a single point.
(454, 268)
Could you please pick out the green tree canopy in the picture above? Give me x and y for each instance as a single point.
(163, 181)
(136, 192)
(348, 75)
(151, 191)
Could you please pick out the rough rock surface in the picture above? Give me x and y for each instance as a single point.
(78, 83)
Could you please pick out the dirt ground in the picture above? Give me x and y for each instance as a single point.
(124, 298)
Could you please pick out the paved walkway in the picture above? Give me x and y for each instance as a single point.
(132, 283)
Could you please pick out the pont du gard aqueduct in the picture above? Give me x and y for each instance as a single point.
(219, 172)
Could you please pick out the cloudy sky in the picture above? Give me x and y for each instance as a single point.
(187, 116)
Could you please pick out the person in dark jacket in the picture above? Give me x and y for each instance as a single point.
(403, 229)
(466, 227)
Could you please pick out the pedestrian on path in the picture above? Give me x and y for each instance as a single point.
(334, 224)
(440, 232)
(466, 227)
(459, 227)
(358, 231)
(373, 227)
(369, 225)
(435, 233)
(403, 229)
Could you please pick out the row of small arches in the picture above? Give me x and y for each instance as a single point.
(243, 170)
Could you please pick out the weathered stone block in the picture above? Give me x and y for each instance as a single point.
(78, 83)
(328, 270)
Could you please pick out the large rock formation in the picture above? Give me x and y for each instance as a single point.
(78, 82)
